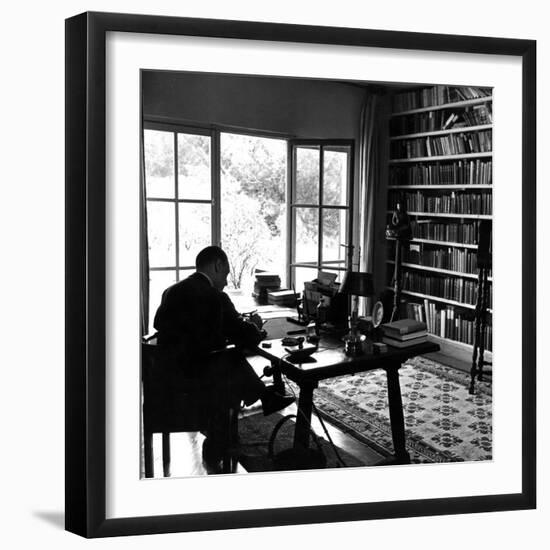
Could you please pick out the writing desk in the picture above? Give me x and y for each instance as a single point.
(330, 361)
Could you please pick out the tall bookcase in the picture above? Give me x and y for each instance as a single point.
(440, 167)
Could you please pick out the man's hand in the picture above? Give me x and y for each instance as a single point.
(256, 320)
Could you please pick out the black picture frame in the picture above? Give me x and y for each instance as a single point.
(86, 286)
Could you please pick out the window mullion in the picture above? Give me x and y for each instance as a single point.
(290, 231)
(176, 206)
(320, 218)
(215, 176)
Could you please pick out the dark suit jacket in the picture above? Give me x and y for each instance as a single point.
(194, 318)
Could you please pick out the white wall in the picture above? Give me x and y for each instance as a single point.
(32, 228)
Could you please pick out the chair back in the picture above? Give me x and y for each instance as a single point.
(171, 402)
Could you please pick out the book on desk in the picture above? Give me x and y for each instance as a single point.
(282, 297)
(404, 333)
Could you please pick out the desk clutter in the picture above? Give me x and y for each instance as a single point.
(324, 291)
(265, 283)
(404, 333)
(284, 298)
(267, 290)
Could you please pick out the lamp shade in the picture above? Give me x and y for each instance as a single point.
(357, 283)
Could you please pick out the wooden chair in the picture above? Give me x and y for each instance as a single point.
(182, 405)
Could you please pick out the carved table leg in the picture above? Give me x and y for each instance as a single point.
(278, 383)
(396, 415)
(303, 417)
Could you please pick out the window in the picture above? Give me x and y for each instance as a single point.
(209, 187)
(321, 225)
(178, 186)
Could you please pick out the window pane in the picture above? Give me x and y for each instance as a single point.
(159, 164)
(253, 211)
(335, 176)
(334, 234)
(302, 274)
(307, 234)
(195, 230)
(161, 229)
(307, 175)
(159, 281)
(194, 161)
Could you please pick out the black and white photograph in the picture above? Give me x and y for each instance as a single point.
(274, 274)
(316, 274)
(296, 240)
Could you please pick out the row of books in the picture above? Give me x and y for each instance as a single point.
(433, 146)
(463, 233)
(478, 114)
(404, 333)
(448, 287)
(442, 119)
(451, 258)
(436, 95)
(447, 322)
(455, 202)
(462, 172)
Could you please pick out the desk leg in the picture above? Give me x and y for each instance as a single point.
(302, 431)
(278, 383)
(396, 416)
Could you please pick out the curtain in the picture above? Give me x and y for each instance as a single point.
(370, 185)
(144, 247)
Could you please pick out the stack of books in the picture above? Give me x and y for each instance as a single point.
(404, 333)
(265, 282)
(284, 298)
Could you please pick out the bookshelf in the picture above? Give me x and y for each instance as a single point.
(440, 166)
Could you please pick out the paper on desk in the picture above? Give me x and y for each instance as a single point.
(326, 278)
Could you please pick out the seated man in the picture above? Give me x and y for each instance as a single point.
(195, 318)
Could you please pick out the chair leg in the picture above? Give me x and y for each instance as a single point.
(166, 453)
(148, 454)
(229, 463)
(234, 424)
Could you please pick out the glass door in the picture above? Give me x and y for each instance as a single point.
(321, 190)
(178, 187)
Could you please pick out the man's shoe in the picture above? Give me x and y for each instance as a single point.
(273, 402)
(212, 451)
(212, 456)
(219, 458)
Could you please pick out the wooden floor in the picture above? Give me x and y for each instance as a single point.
(186, 448)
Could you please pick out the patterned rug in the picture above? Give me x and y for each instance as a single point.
(443, 422)
(255, 433)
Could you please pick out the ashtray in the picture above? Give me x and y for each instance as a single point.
(300, 354)
(290, 341)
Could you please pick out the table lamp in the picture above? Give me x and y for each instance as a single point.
(355, 284)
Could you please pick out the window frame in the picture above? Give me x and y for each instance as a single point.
(214, 132)
(293, 145)
(176, 129)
